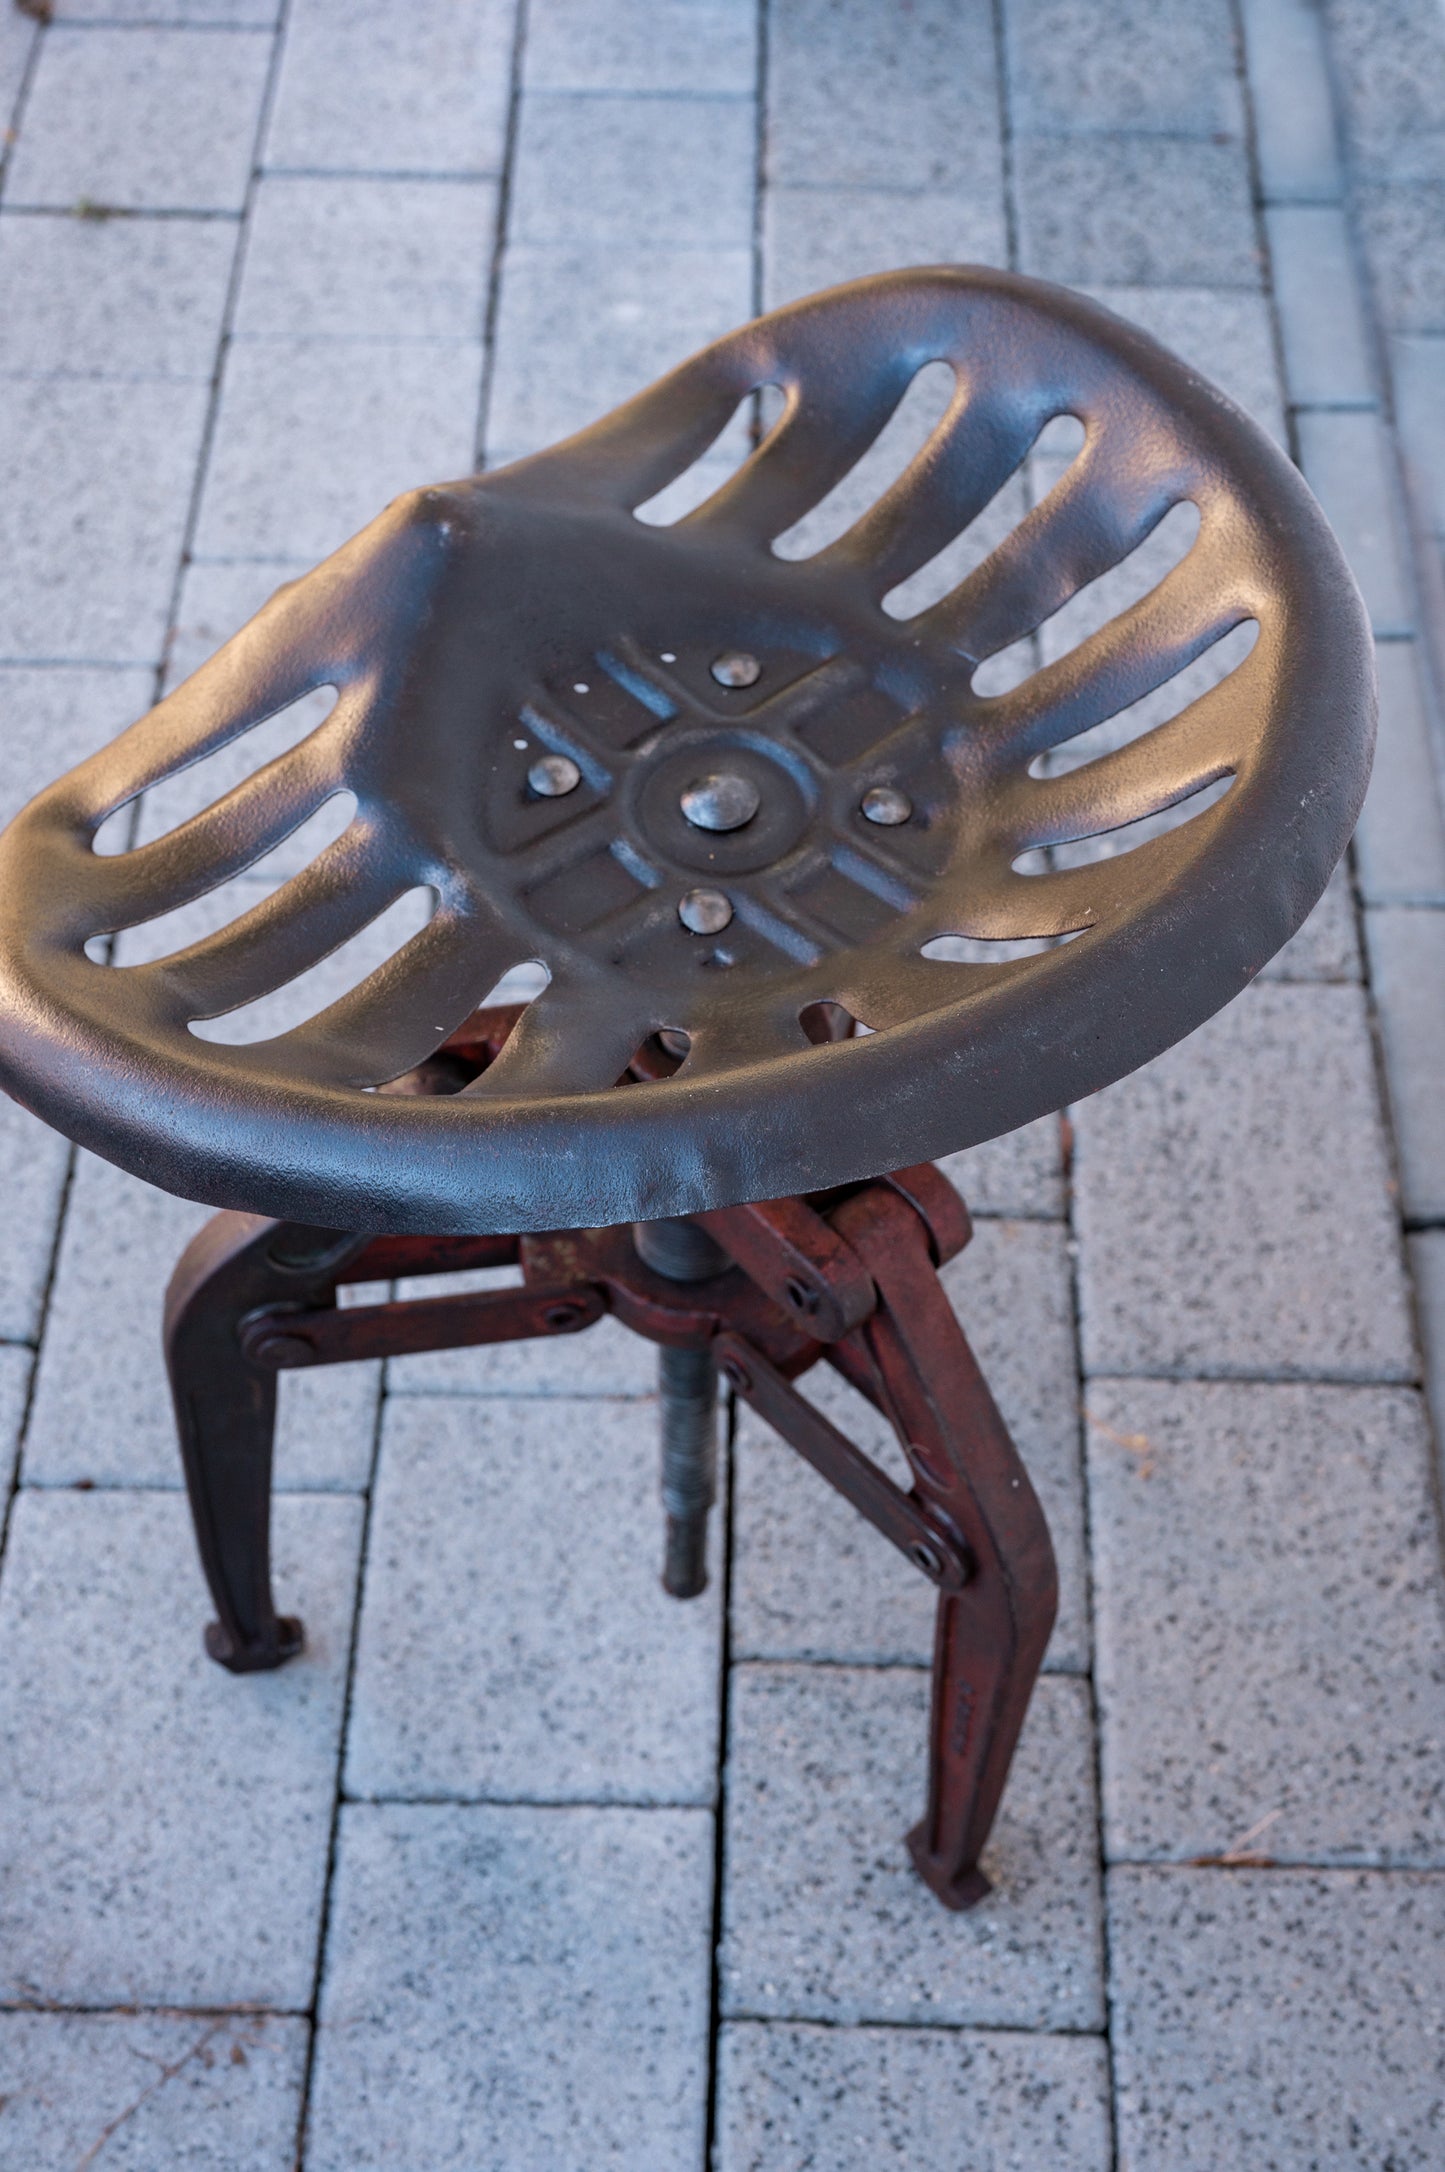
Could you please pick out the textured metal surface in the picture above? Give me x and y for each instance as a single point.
(476, 628)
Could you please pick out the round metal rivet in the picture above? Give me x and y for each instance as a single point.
(926, 1557)
(736, 668)
(721, 801)
(705, 912)
(886, 805)
(554, 776)
(283, 1350)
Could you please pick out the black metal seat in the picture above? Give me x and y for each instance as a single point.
(739, 811)
(460, 627)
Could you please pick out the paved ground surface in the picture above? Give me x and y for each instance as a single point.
(525, 1870)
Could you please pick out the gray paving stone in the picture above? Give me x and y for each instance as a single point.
(15, 1367)
(641, 45)
(142, 119)
(1427, 1266)
(204, 14)
(1417, 364)
(1403, 228)
(1135, 210)
(1322, 328)
(1271, 1669)
(1345, 460)
(1020, 1173)
(215, 601)
(33, 1162)
(895, 99)
(515, 1640)
(346, 257)
(1293, 104)
(517, 1987)
(1390, 67)
(1400, 841)
(315, 437)
(166, 1825)
(18, 34)
(1228, 336)
(1277, 2018)
(358, 87)
(113, 297)
(812, 1580)
(1432, 569)
(1211, 1193)
(96, 485)
(580, 330)
(793, 2098)
(817, 237)
(613, 170)
(1327, 946)
(136, 2091)
(824, 1919)
(604, 1360)
(52, 717)
(1407, 967)
(102, 1411)
(1165, 67)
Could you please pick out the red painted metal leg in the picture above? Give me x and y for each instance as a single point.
(853, 1277)
(991, 1635)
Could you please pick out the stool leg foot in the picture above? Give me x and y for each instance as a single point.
(964, 1890)
(226, 1419)
(258, 1657)
(986, 1658)
(988, 1646)
(990, 1635)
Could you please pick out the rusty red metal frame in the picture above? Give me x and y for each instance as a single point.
(849, 1276)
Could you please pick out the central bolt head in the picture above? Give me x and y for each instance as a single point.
(721, 801)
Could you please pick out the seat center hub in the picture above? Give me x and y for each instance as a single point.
(724, 799)
(723, 802)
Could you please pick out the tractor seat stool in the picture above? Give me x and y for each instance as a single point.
(811, 903)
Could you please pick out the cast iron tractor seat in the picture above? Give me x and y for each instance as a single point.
(760, 833)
